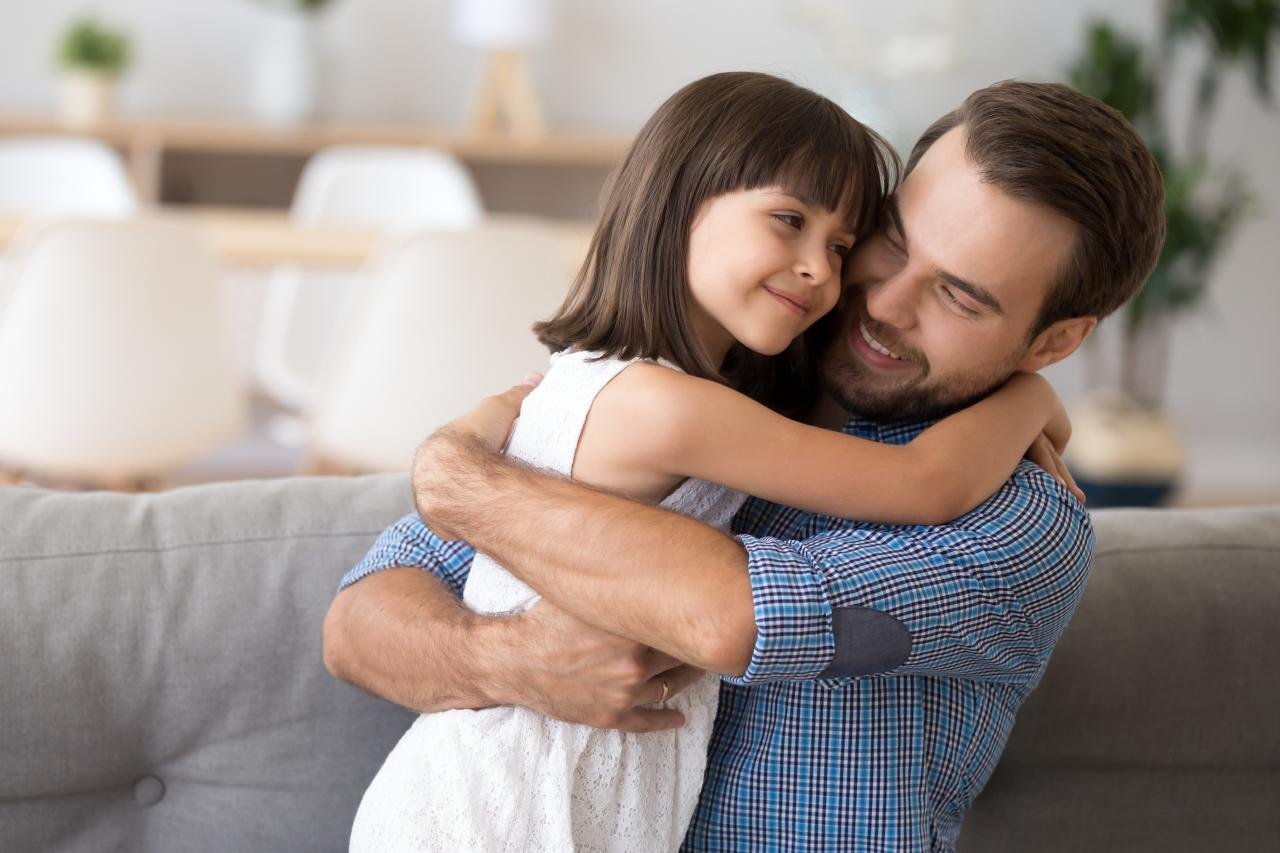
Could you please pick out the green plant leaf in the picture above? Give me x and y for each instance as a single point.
(1112, 70)
(89, 45)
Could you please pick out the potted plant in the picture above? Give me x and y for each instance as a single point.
(286, 70)
(92, 58)
(1125, 449)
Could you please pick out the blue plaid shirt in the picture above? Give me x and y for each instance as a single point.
(883, 762)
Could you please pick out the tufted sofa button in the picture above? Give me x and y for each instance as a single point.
(148, 791)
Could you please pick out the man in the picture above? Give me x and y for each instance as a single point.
(872, 672)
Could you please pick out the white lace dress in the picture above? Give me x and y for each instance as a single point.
(507, 779)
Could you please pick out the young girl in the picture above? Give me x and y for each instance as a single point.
(721, 242)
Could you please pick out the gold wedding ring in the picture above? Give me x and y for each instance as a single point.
(666, 690)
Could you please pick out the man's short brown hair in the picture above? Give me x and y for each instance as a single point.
(1049, 144)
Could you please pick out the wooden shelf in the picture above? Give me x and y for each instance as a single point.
(145, 141)
(264, 238)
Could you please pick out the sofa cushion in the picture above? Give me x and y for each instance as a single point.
(1157, 724)
(162, 685)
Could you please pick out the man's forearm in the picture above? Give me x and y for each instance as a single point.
(402, 635)
(657, 577)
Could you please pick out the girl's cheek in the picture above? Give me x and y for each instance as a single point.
(832, 297)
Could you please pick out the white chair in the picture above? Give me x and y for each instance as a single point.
(378, 188)
(63, 176)
(115, 363)
(443, 321)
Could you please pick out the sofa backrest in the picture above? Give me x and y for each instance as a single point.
(1157, 723)
(161, 682)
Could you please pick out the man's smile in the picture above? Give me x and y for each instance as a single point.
(872, 351)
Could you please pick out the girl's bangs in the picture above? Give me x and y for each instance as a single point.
(841, 167)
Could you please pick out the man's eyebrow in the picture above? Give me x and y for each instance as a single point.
(977, 293)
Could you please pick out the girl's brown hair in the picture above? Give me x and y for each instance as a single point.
(723, 133)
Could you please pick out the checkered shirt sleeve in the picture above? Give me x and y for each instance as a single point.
(411, 544)
(984, 597)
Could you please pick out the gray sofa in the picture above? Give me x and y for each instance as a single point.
(161, 684)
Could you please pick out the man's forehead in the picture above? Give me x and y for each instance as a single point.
(971, 228)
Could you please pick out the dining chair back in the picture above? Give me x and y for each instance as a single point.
(115, 358)
(444, 319)
(385, 189)
(45, 176)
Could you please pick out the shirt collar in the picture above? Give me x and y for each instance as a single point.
(891, 432)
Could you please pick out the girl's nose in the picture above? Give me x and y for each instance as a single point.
(814, 266)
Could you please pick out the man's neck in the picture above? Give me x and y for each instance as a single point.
(827, 413)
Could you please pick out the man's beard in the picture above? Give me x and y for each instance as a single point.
(860, 391)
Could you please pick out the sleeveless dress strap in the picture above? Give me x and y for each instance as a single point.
(564, 399)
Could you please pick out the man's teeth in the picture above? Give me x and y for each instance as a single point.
(876, 345)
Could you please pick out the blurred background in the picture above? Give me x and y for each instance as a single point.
(216, 217)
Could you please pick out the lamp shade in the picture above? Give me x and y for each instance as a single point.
(500, 24)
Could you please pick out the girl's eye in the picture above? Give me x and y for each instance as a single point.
(951, 297)
(841, 249)
(793, 220)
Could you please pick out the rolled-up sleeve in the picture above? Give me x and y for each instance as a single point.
(410, 543)
(985, 597)
(794, 637)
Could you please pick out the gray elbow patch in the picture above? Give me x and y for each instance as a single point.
(868, 642)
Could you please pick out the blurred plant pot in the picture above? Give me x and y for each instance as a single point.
(1125, 449)
(86, 98)
(286, 69)
(1123, 453)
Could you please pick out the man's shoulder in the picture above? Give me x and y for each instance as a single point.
(1027, 502)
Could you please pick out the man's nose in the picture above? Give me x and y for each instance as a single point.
(893, 300)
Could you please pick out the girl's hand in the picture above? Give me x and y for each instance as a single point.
(1058, 429)
(1045, 453)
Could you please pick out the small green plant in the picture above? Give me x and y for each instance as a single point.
(89, 46)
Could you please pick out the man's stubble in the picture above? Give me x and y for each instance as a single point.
(862, 391)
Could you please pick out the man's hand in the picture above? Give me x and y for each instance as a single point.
(444, 462)
(573, 672)
(492, 420)
(402, 635)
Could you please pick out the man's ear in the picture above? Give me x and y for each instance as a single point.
(1057, 342)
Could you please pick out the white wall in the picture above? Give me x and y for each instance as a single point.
(610, 62)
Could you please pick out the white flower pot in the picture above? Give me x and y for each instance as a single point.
(86, 98)
(286, 69)
(1124, 453)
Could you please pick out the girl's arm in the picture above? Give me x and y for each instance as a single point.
(661, 421)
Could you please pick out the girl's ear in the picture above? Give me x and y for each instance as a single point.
(1057, 342)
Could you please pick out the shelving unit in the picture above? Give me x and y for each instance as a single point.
(146, 143)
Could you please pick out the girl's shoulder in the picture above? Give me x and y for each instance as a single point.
(646, 380)
(660, 408)
(633, 413)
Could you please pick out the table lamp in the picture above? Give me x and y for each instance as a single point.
(506, 101)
